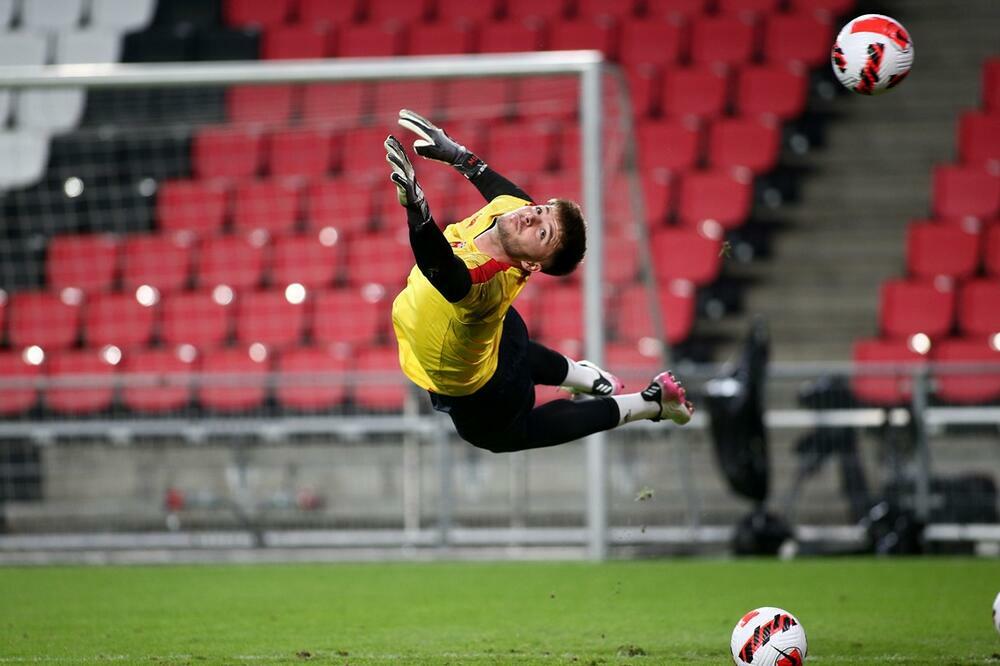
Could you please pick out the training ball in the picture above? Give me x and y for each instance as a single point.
(996, 613)
(769, 636)
(873, 53)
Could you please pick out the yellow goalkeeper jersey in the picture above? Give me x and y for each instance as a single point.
(452, 348)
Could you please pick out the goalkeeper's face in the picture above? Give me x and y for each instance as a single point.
(530, 235)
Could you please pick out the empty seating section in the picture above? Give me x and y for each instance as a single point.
(951, 292)
(270, 269)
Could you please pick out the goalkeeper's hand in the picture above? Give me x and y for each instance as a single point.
(435, 144)
(408, 191)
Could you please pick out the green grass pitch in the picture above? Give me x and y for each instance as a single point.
(855, 611)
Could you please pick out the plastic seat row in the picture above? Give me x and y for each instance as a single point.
(970, 383)
(114, 15)
(968, 195)
(173, 262)
(262, 13)
(940, 250)
(979, 139)
(911, 307)
(221, 379)
(725, 40)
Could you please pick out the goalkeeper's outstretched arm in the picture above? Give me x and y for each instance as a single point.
(435, 144)
(431, 249)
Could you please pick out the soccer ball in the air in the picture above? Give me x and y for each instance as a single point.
(769, 637)
(996, 613)
(873, 53)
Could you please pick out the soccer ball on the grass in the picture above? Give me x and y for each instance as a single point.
(769, 636)
(873, 53)
(996, 612)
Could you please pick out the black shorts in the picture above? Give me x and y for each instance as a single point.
(498, 410)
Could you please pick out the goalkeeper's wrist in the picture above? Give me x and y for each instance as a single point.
(418, 214)
(469, 165)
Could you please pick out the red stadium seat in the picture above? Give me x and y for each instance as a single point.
(343, 204)
(363, 151)
(372, 39)
(547, 97)
(748, 8)
(585, 33)
(718, 195)
(234, 380)
(877, 384)
(463, 10)
(559, 185)
(117, 319)
(658, 199)
(473, 99)
(991, 250)
(162, 261)
(3, 314)
(522, 147)
(311, 259)
(43, 319)
(744, 142)
(301, 152)
(17, 394)
(771, 90)
(671, 145)
(979, 139)
(966, 387)
(446, 37)
(800, 37)
(633, 317)
(375, 391)
(379, 259)
(85, 262)
(644, 84)
(907, 308)
(621, 258)
(538, 10)
(684, 254)
(235, 261)
(934, 250)
(295, 42)
(191, 205)
(676, 8)
(226, 152)
(158, 380)
(401, 11)
(256, 13)
(695, 91)
(271, 205)
(979, 308)
(199, 318)
(591, 9)
(725, 40)
(511, 35)
(991, 85)
(334, 102)
(270, 318)
(561, 319)
(81, 381)
(307, 378)
(351, 316)
(961, 192)
(325, 12)
(388, 97)
(654, 41)
(827, 7)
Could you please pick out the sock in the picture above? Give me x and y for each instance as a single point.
(579, 376)
(633, 407)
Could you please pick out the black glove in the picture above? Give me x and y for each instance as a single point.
(408, 191)
(435, 144)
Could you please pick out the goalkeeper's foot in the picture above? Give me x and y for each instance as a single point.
(668, 392)
(606, 383)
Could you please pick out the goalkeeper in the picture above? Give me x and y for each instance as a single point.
(460, 339)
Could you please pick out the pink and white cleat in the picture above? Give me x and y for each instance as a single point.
(605, 385)
(674, 405)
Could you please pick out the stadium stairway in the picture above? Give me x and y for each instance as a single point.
(845, 234)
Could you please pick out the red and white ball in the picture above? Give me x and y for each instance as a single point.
(873, 54)
(769, 636)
